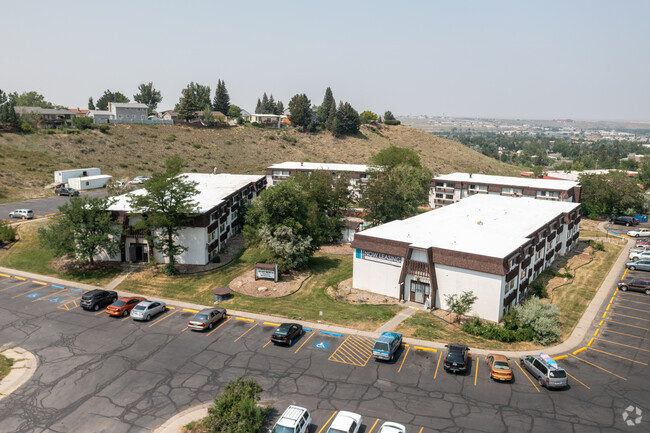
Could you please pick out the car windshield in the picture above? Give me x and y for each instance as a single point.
(283, 429)
(455, 357)
(382, 347)
(282, 331)
(118, 303)
(557, 373)
(500, 365)
(201, 317)
(140, 307)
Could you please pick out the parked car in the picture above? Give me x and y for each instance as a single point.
(70, 192)
(637, 233)
(635, 284)
(206, 318)
(147, 309)
(499, 367)
(547, 374)
(386, 345)
(457, 358)
(636, 255)
(624, 220)
(123, 306)
(392, 427)
(22, 214)
(641, 264)
(139, 180)
(287, 333)
(346, 422)
(639, 249)
(97, 298)
(295, 419)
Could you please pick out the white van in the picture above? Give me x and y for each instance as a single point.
(22, 214)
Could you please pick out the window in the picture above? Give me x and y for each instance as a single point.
(440, 195)
(548, 194)
(511, 191)
(510, 285)
(539, 254)
(280, 172)
(440, 184)
(212, 236)
(214, 216)
(449, 196)
(222, 227)
(478, 187)
(523, 274)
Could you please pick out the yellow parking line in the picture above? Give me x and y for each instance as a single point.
(52, 294)
(590, 341)
(163, 318)
(50, 214)
(189, 310)
(24, 293)
(635, 309)
(601, 368)
(634, 302)
(185, 329)
(527, 377)
(271, 324)
(437, 365)
(14, 285)
(622, 333)
(621, 344)
(626, 294)
(424, 348)
(597, 331)
(582, 349)
(631, 317)
(618, 356)
(373, 426)
(245, 332)
(39, 282)
(220, 325)
(267, 343)
(244, 319)
(5, 275)
(578, 381)
(20, 278)
(624, 274)
(328, 421)
(312, 334)
(99, 312)
(560, 357)
(405, 355)
(625, 324)
(476, 372)
(126, 318)
(421, 428)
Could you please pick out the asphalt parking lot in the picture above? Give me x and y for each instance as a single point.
(41, 206)
(98, 373)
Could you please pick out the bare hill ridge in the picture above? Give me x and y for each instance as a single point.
(27, 162)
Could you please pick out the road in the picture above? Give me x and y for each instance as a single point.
(42, 206)
(101, 374)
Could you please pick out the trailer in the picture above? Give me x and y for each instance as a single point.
(89, 182)
(62, 176)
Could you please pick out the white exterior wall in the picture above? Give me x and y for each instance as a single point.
(195, 239)
(376, 276)
(81, 183)
(131, 113)
(62, 176)
(487, 287)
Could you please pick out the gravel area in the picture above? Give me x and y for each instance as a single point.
(246, 284)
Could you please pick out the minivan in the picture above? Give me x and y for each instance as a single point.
(22, 214)
(550, 376)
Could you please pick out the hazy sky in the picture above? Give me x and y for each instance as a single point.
(578, 59)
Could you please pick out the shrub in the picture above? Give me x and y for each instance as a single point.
(216, 259)
(82, 122)
(541, 317)
(288, 138)
(597, 245)
(26, 128)
(392, 122)
(170, 138)
(7, 234)
(235, 410)
(104, 129)
(257, 125)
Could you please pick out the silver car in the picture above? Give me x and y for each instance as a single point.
(550, 376)
(641, 264)
(145, 310)
(206, 319)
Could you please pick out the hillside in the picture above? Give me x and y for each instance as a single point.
(27, 162)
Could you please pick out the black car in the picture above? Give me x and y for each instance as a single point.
(623, 220)
(635, 284)
(67, 192)
(287, 333)
(97, 298)
(457, 358)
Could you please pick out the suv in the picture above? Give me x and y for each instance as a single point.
(94, 299)
(548, 375)
(636, 284)
(295, 419)
(386, 346)
(70, 192)
(457, 357)
(22, 214)
(624, 220)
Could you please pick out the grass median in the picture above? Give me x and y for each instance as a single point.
(28, 255)
(306, 304)
(5, 366)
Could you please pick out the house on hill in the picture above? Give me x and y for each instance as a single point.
(46, 117)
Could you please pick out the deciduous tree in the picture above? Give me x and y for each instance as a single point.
(108, 96)
(368, 117)
(461, 304)
(30, 99)
(234, 111)
(148, 95)
(199, 95)
(610, 193)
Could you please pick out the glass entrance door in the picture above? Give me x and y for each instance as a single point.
(418, 290)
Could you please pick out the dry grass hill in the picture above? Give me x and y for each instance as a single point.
(27, 162)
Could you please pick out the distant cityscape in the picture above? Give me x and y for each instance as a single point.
(588, 130)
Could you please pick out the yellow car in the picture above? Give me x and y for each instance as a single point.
(499, 367)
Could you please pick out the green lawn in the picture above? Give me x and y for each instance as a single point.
(5, 366)
(307, 303)
(29, 256)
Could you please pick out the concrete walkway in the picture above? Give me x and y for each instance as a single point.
(399, 318)
(23, 368)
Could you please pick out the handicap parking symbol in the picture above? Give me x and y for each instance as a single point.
(33, 295)
(56, 300)
(321, 345)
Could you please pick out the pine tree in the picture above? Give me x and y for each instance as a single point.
(348, 120)
(258, 107)
(279, 108)
(323, 112)
(300, 110)
(91, 104)
(265, 104)
(331, 122)
(270, 109)
(186, 106)
(221, 98)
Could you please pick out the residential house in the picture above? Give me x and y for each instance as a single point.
(278, 172)
(45, 117)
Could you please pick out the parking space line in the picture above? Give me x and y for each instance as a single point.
(634, 302)
(5, 275)
(267, 343)
(245, 332)
(626, 294)
(635, 309)
(312, 334)
(631, 317)
(328, 421)
(601, 368)
(404, 359)
(189, 310)
(437, 365)
(622, 333)
(476, 372)
(67, 307)
(625, 324)
(24, 293)
(39, 282)
(14, 285)
(373, 426)
(621, 344)
(618, 356)
(354, 350)
(271, 324)
(99, 312)
(127, 317)
(220, 325)
(46, 296)
(527, 377)
(164, 317)
(20, 278)
(572, 377)
(244, 319)
(421, 428)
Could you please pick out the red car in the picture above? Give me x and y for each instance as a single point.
(640, 242)
(123, 306)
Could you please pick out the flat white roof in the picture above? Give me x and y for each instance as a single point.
(99, 176)
(213, 189)
(508, 181)
(325, 166)
(76, 169)
(489, 225)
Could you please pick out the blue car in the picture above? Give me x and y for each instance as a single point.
(386, 345)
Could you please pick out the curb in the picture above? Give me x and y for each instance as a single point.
(174, 424)
(24, 367)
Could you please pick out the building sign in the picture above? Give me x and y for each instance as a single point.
(266, 271)
(381, 257)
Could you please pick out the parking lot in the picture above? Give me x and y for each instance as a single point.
(42, 207)
(116, 374)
